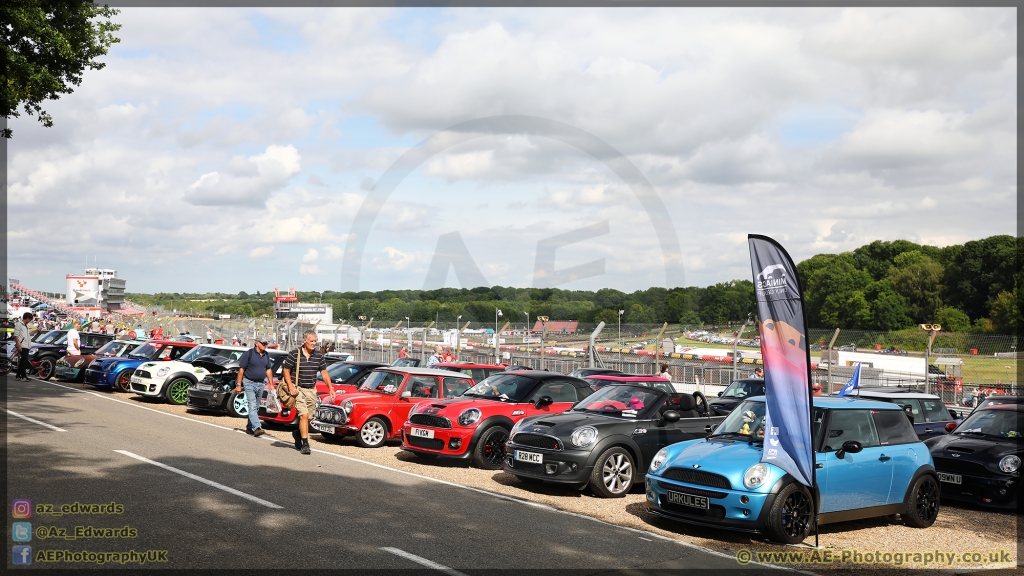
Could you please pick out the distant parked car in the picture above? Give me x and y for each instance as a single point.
(72, 368)
(929, 414)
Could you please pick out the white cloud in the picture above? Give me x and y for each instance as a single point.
(246, 182)
(310, 256)
(309, 269)
(261, 251)
(333, 252)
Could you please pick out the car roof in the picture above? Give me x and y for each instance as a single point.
(893, 392)
(417, 371)
(613, 378)
(178, 342)
(544, 375)
(1014, 407)
(847, 402)
(470, 365)
(361, 363)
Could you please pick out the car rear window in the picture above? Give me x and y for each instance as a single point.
(893, 427)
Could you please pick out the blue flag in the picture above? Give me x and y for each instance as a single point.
(787, 361)
(853, 383)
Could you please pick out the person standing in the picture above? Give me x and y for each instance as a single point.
(448, 356)
(437, 356)
(74, 340)
(665, 373)
(255, 372)
(758, 373)
(23, 341)
(301, 383)
(402, 353)
(209, 336)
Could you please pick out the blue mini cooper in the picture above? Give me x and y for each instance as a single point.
(870, 463)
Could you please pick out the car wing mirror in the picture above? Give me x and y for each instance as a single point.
(953, 414)
(950, 426)
(544, 401)
(720, 394)
(671, 416)
(406, 394)
(850, 446)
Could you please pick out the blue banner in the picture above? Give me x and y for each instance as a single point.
(787, 362)
(853, 384)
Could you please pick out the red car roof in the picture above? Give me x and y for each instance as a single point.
(470, 365)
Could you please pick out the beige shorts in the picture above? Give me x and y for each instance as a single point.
(305, 402)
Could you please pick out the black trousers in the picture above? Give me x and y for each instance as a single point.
(23, 364)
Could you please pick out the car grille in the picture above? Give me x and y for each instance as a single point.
(198, 402)
(139, 387)
(431, 443)
(330, 416)
(714, 511)
(697, 477)
(694, 491)
(956, 465)
(538, 441)
(429, 420)
(143, 374)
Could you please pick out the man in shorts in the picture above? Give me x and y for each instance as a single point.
(303, 386)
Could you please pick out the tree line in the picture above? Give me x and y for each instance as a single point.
(881, 286)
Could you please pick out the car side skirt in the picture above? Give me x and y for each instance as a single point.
(861, 513)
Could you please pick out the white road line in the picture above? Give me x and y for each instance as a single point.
(648, 539)
(462, 486)
(227, 489)
(33, 420)
(423, 561)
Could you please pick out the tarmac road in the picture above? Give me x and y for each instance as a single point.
(213, 497)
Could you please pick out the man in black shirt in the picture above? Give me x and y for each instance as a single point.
(255, 371)
(303, 386)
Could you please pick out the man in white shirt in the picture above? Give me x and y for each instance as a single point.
(74, 340)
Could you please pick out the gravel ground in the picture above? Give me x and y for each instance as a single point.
(959, 528)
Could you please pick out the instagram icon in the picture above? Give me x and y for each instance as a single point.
(21, 508)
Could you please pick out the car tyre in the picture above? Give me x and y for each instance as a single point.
(238, 405)
(124, 381)
(923, 507)
(489, 452)
(372, 434)
(176, 391)
(46, 368)
(791, 514)
(613, 473)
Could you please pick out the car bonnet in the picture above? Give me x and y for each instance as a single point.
(975, 448)
(730, 459)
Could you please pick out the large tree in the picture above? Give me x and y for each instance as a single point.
(47, 46)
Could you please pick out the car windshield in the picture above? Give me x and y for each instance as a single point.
(664, 386)
(503, 387)
(999, 423)
(746, 421)
(198, 352)
(146, 351)
(743, 388)
(619, 401)
(116, 348)
(341, 372)
(382, 382)
(53, 337)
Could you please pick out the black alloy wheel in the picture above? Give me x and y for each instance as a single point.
(489, 453)
(923, 508)
(791, 515)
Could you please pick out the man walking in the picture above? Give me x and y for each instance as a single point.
(255, 372)
(309, 360)
(74, 340)
(23, 341)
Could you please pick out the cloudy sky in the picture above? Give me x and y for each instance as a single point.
(242, 149)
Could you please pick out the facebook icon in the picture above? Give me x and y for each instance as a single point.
(21, 555)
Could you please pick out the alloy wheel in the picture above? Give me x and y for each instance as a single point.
(494, 448)
(372, 432)
(617, 473)
(796, 514)
(927, 502)
(241, 405)
(179, 391)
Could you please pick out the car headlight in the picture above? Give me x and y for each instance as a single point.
(347, 407)
(755, 475)
(79, 363)
(62, 362)
(469, 417)
(583, 436)
(33, 351)
(659, 459)
(162, 372)
(1009, 463)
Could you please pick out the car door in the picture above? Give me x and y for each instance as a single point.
(420, 388)
(936, 417)
(858, 480)
(654, 433)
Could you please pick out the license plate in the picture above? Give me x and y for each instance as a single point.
(531, 457)
(688, 500)
(136, 380)
(324, 428)
(421, 433)
(951, 478)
